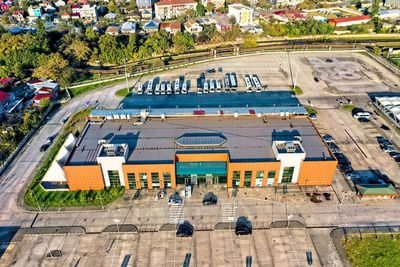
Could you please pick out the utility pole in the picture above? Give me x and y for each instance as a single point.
(126, 77)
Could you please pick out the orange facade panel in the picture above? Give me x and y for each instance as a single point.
(148, 169)
(255, 168)
(204, 157)
(317, 172)
(88, 177)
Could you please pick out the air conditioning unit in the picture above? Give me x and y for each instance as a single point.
(101, 142)
(290, 147)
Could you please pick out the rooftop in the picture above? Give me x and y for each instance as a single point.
(157, 141)
(174, 2)
(348, 19)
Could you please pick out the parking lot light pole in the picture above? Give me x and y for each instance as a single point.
(37, 202)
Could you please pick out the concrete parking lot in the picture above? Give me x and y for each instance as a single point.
(273, 247)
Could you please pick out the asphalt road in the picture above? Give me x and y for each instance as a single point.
(156, 213)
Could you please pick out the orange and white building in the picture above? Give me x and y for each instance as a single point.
(248, 151)
(344, 22)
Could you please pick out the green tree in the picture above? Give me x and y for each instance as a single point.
(45, 102)
(182, 42)
(210, 7)
(78, 52)
(112, 7)
(250, 41)
(378, 24)
(200, 9)
(375, 7)
(55, 67)
(91, 34)
(111, 50)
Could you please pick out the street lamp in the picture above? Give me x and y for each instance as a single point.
(37, 202)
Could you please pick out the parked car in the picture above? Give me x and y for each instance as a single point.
(389, 149)
(334, 148)
(185, 229)
(384, 127)
(220, 69)
(352, 175)
(175, 198)
(328, 138)
(243, 226)
(342, 159)
(363, 120)
(316, 79)
(313, 116)
(394, 154)
(345, 168)
(210, 199)
(44, 147)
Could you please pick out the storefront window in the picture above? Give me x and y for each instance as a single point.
(287, 175)
(114, 178)
(155, 180)
(247, 178)
(167, 180)
(131, 181)
(259, 178)
(236, 179)
(143, 180)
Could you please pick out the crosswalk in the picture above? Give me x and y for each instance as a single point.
(229, 211)
(176, 214)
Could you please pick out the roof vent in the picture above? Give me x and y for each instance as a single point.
(290, 147)
(110, 151)
(101, 142)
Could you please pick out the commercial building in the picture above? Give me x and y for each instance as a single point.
(390, 106)
(344, 22)
(168, 9)
(244, 151)
(243, 14)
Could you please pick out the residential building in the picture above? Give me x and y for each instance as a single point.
(243, 14)
(216, 3)
(4, 98)
(60, 3)
(288, 15)
(171, 27)
(146, 15)
(144, 4)
(113, 30)
(192, 26)
(39, 97)
(4, 7)
(133, 16)
(389, 14)
(88, 12)
(222, 22)
(151, 26)
(393, 3)
(128, 28)
(235, 152)
(65, 16)
(168, 9)
(75, 8)
(35, 11)
(344, 22)
(19, 15)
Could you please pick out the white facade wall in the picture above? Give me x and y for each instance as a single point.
(349, 23)
(111, 163)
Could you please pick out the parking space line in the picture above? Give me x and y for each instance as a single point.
(354, 141)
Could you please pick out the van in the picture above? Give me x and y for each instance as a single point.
(361, 114)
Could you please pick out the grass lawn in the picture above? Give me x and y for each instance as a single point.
(123, 93)
(37, 195)
(383, 251)
(310, 110)
(85, 88)
(348, 107)
(296, 90)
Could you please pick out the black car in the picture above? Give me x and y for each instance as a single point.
(346, 168)
(329, 60)
(220, 69)
(394, 154)
(334, 148)
(384, 127)
(316, 79)
(202, 75)
(243, 226)
(363, 120)
(175, 198)
(210, 199)
(44, 147)
(342, 159)
(185, 229)
(209, 71)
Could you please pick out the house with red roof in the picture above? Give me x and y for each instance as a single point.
(344, 22)
(4, 7)
(171, 27)
(4, 97)
(39, 97)
(289, 15)
(19, 15)
(6, 81)
(168, 9)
